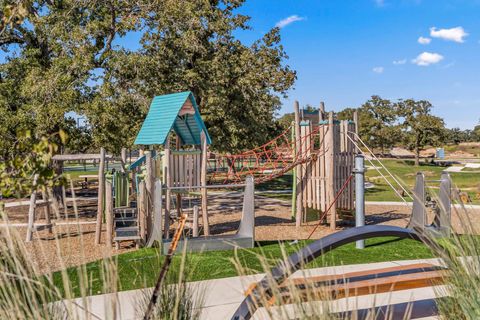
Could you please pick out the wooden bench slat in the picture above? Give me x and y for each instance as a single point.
(327, 287)
(363, 275)
(356, 275)
(366, 287)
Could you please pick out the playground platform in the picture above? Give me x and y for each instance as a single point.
(223, 296)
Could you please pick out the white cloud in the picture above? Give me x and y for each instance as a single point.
(378, 69)
(398, 62)
(285, 22)
(380, 3)
(424, 40)
(454, 34)
(427, 58)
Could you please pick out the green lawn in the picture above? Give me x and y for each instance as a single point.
(405, 171)
(140, 268)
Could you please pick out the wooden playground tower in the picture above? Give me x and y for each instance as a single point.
(174, 124)
(324, 183)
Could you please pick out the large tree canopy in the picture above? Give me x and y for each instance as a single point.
(67, 56)
(52, 49)
(419, 126)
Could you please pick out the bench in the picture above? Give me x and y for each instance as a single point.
(85, 181)
(331, 287)
(335, 287)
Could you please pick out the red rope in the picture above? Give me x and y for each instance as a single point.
(339, 193)
(274, 156)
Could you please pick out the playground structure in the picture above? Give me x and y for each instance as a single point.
(321, 159)
(175, 170)
(173, 142)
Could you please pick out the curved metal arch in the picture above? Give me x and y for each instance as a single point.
(312, 251)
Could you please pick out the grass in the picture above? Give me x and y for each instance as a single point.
(405, 171)
(139, 269)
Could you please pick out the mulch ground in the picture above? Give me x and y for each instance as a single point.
(74, 245)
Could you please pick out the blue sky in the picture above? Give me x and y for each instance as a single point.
(344, 51)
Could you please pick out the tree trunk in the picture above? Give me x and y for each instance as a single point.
(231, 167)
(417, 156)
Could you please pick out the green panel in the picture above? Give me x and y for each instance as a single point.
(163, 116)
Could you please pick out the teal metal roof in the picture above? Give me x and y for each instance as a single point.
(163, 117)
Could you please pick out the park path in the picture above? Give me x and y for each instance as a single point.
(221, 297)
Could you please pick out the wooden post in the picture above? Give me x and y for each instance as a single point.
(195, 222)
(101, 193)
(355, 120)
(178, 143)
(141, 207)
(321, 111)
(168, 193)
(330, 171)
(64, 201)
(47, 212)
(108, 213)
(298, 150)
(59, 191)
(55, 206)
(203, 182)
(31, 209)
(149, 185)
(124, 159)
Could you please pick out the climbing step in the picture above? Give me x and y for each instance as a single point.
(127, 238)
(126, 232)
(126, 222)
(125, 213)
(126, 225)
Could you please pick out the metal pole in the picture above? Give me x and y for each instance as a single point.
(360, 196)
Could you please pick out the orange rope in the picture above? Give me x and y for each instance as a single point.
(339, 193)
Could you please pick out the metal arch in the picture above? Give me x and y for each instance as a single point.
(278, 274)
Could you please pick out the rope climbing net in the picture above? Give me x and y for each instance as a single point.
(266, 162)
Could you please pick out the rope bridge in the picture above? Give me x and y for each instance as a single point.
(266, 162)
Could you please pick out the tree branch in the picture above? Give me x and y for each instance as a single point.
(110, 37)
